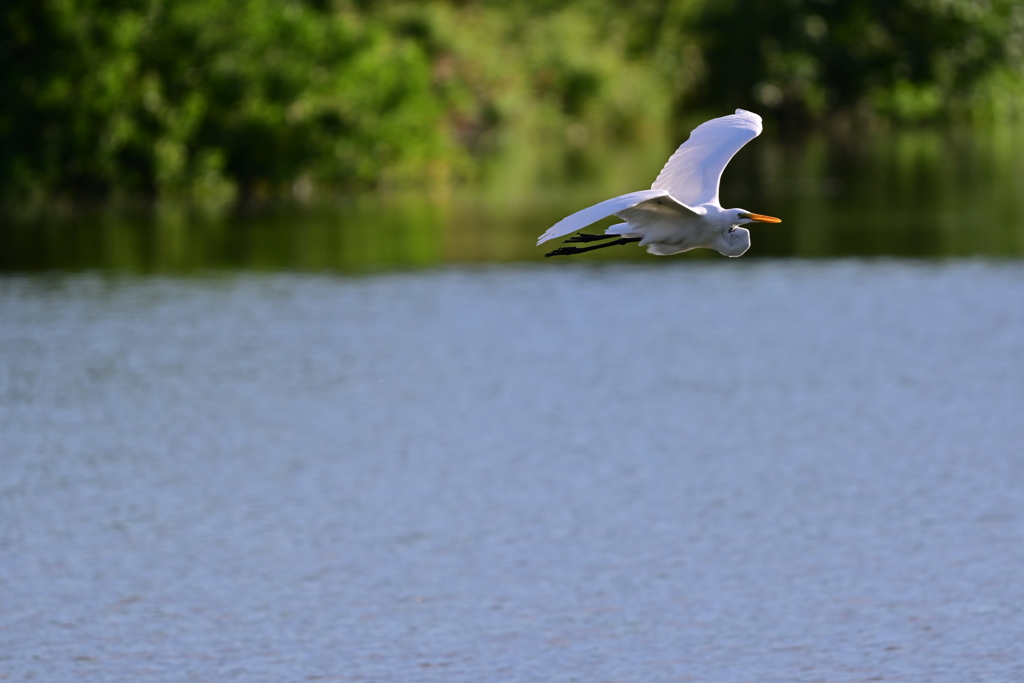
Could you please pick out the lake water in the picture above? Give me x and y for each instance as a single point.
(384, 440)
(733, 470)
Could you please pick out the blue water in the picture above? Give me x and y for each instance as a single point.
(720, 471)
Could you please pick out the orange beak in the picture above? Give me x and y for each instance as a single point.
(759, 218)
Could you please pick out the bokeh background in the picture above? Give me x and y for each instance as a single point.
(187, 135)
(288, 393)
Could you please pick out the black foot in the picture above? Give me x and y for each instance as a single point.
(584, 237)
(564, 251)
(567, 251)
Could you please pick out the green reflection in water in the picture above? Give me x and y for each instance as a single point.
(922, 193)
(915, 193)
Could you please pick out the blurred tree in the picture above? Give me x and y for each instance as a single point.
(209, 96)
(216, 98)
(908, 59)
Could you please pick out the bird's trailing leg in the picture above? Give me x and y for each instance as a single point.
(568, 251)
(584, 237)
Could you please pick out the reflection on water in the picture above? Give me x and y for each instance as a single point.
(912, 193)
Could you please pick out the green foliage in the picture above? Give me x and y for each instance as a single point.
(206, 97)
(215, 99)
(908, 59)
(209, 98)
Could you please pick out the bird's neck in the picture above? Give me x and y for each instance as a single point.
(733, 242)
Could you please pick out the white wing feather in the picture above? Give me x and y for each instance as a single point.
(608, 207)
(692, 173)
(592, 214)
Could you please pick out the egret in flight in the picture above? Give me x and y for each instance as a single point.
(681, 210)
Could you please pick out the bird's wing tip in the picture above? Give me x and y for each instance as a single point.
(752, 120)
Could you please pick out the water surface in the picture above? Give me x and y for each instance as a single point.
(732, 470)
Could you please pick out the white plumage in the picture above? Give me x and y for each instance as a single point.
(681, 211)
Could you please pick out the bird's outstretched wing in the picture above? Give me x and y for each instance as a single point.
(691, 175)
(608, 207)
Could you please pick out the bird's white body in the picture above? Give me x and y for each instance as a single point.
(681, 211)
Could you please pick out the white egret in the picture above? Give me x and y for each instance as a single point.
(681, 210)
